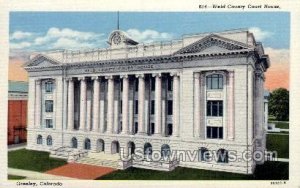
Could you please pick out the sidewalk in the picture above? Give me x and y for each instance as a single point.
(32, 175)
(81, 171)
(16, 146)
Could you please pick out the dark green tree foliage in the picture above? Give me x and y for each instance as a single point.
(279, 104)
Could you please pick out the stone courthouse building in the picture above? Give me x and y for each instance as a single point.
(200, 95)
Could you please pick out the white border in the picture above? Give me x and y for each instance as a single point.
(292, 6)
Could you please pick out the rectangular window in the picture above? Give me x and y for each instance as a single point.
(136, 85)
(121, 85)
(152, 83)
(214, 108)
(136, 107)
(136, 127)
(214, 132)
(169, 129)
(152, 107)
(49, 123)
(208, 82)
(121, 106)
(152, 128)
(214, 81)
(49, 87)
(170, 84)
(49, 105)
(170, 107)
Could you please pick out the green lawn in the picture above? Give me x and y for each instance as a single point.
(279, 143)
(32, 160)
(280, 124)
(268, 171)
(13, 177)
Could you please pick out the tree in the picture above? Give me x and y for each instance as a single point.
(279, 104)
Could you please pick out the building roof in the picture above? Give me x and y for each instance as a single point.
(18, 86)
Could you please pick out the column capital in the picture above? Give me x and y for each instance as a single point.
(175, 74)
(95, 77)
(197, 75)
(109, 77)
(69, 78)
(81, 78)
(140, 76)
(124, 76)
(38, 81)
(156, 74)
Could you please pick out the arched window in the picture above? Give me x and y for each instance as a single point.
(74, 142)
(147, 149)
(165, 150)
(222, 155)
(115, 147)
(100, 145)
(49, 140)
(39, 139)
(87, 144)
(203, 154)
(214, 81)
(49, 87)
(131, 148)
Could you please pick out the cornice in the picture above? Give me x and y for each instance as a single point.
(145, 60)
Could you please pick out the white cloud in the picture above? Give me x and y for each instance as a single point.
(148, 35)
(17, 35)
(66, 43)
(19, 45)
(56, 38)
(278, 55)
(260, 34)
(54, 34)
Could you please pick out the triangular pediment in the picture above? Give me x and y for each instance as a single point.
(212, 44)
(41, 60)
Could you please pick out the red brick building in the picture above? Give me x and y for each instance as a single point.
(17, 112)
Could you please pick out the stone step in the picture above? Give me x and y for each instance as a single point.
(59, 156)
(98, 162)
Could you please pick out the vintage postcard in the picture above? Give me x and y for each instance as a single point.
(200, 94)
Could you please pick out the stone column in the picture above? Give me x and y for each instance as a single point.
(130, 119)
(158, 105)
(65, 104)
(230, 105)
(96, 94)
(102, 108)
(176, 103)
(82, 103)
(110, 104)
(70, 104)
(197, 104)
(141, 96)
(38, 100)
(125, 107)
(88, 111)
(116, 116)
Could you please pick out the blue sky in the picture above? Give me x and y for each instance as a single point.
(33, 31)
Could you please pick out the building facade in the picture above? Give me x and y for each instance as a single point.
(200, 94)
(17, 112)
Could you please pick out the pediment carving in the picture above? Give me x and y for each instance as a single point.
(212, 44)
(41, 60)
